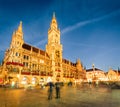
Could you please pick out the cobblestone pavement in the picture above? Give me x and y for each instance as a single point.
(71, 96)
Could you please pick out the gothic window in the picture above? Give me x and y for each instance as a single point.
(26, 57)
(17, 54)
(25, 64)
(57, 54)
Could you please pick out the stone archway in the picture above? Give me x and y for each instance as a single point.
(25, 80)
(16, 70)
(49, 79)
(34, 81)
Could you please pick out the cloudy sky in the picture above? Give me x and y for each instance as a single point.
(90, 29)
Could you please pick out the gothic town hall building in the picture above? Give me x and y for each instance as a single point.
(25, 61)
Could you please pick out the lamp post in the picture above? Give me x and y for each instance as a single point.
(93, 66)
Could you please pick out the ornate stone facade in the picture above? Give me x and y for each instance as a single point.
(26, 60)
(113, 75)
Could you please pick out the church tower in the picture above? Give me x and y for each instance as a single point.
(54, 49)
(14, 53)
(17, 37)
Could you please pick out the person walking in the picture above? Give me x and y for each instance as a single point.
(50, 90)
(57, 86)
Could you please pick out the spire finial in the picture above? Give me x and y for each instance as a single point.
(20, 27)
(20, 22)
(53, 14)
(78, 61)
(53, 22)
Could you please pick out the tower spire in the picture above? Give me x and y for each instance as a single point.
(20, 27)
(79, 65)
(78, 61)
(54, 22)
(53, 14)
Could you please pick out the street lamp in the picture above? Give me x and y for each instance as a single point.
(93, 66)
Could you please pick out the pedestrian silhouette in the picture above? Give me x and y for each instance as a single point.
(57, 86)
(50, 90)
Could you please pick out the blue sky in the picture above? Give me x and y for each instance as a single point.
(90, 29)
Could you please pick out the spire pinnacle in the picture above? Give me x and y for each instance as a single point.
(53, 14)
(54, 21)
(20, 27)
(78, 61)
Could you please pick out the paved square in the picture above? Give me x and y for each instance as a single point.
(71, 96)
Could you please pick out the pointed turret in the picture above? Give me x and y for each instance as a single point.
(53, 14)
(19, 31)
(20, 27)
(79, 65)
(78, 61)
(53, 24)
(53, 31)
(17, 37)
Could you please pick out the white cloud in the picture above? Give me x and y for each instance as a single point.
(41, 42)
(80, 24)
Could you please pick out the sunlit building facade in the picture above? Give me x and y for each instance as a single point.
(95, 74)
(24, 61)
(113, 75)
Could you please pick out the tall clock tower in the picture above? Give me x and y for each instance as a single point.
(54, 49)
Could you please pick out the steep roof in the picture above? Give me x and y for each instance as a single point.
(117, 71)
(68, 62)
(34, 49)
(96, 69)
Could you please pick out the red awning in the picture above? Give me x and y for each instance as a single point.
(1, 80)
